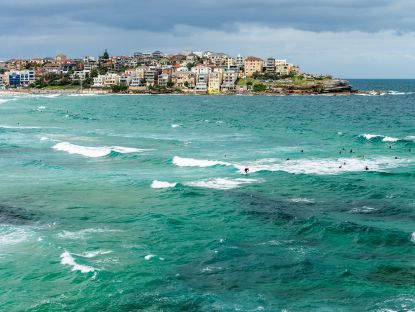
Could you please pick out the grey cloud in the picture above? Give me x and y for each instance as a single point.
(163, 15)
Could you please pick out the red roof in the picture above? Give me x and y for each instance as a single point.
(253, 58)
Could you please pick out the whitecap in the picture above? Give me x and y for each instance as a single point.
(11, 235)
(191, 162)
(176, 125)
(160, 184)
(364, 209)
(413, 237)
(384, 138)
(67, 259)
(389, 139)
(371, 136)
(221, 183)
(149, 257)
(327, 166)
(93, 151)
(93, 254)
(302, 200)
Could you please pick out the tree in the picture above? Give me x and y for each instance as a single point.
(106, 55)
(260, 87)
(119, 88)
(170, 84)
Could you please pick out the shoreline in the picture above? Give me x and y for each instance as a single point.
(246, 93)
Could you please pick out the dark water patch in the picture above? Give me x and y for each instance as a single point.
(15, 215)
(42, 165)
(271, 210)
(354, 234)
(393, 275)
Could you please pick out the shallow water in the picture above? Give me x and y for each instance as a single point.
(120, 203)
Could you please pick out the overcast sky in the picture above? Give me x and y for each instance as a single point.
(348, 38)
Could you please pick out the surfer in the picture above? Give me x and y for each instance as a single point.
(246, 170)
(366, 168)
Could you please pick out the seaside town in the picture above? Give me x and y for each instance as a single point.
(187, 72)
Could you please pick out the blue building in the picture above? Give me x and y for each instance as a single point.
(14, 79)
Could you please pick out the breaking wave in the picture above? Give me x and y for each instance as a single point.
(221, 183)
(319, 166)
(160, 184)
(68, 259)
(383, 138)
(93, 151)
(191, 162)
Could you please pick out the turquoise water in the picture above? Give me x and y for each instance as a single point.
(140, 203)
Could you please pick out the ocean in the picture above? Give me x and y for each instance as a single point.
(141, 203)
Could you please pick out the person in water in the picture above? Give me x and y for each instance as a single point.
(246, 170)
(366, 168)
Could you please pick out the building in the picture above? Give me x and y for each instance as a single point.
(270, 66)
(184, 80)
(253, 65)
(201, 70)
(202, 83)
(215, 81)
(24, 78)
(240, 61)
(282, 67)
(229, 80)
(125, 80)
(99, 81)
(164, 80)
(111, 80)
(151, 76)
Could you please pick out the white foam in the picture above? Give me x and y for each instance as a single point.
(93, 254)
(82, 234)
(6, 100)
(11, 235)
(82, 94)
(160, 184)
(384, 138)
(149, 257)
(371, 136)
(221, 183)
(190, 162)
(364, 209)
(327, 166)
(302, 200)
(320, 166)
(67, 259)
(18, 127)
(93, 151)
(41, 108)
(176, 125)
(390, 139)
(398, 93)
(410, 138)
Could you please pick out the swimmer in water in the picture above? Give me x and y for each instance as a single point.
(366, 168)
(246, 170)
